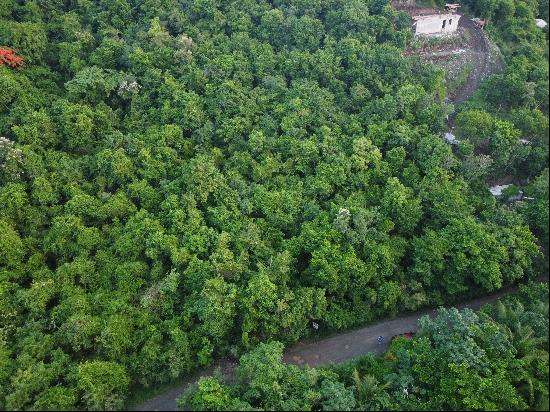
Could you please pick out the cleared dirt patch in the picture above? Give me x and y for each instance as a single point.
(467, 58)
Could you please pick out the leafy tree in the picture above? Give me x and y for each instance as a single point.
(336, 397)
(216, 308)
(103, 384)
(399, 204)
(458, 360)
(535, 209)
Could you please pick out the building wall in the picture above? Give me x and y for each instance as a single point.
(433, 24)
(407, 3)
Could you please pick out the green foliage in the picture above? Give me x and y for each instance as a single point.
(536, 209)
(210, 395)
(103, 384)
(518, 96)
(336, 397)
(459, 360)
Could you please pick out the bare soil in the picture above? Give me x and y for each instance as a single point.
(482, 59)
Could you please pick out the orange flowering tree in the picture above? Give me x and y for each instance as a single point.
(10, 58)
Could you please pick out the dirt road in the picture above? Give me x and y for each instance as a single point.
(334, 349)
(482, 64)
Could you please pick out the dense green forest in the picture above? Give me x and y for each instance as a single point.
(186, 179)
(459, 361)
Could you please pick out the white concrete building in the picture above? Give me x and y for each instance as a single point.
(429, 24)
(498, 191)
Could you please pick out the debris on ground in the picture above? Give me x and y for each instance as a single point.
(541, 23)
(498, 189)
(467, 58)
(451, 139)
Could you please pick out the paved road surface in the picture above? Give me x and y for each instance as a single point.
(352, 344)
(167, 400)
(334, 349)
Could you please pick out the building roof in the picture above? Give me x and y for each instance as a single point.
(452, 6)
(439, 15)
(415, 10)
(425, 12)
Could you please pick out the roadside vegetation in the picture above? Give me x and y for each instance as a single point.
(507, 119)
(496, 359)
(460, 79)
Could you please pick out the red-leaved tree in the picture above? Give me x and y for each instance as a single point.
(10, 58)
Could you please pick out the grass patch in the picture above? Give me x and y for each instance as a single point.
(461, 78)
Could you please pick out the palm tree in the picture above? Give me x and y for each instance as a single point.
(508, 313)
(369, 392)
(529, 347)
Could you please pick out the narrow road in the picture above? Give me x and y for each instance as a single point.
(352, 344)
(167, 401)
(336, 349)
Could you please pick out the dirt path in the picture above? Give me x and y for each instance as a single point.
(482, 64)
(334, 349)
